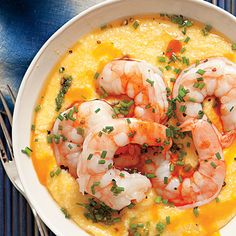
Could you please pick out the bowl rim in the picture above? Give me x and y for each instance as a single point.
(33, 63)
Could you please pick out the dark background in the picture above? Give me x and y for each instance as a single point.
(25, 25)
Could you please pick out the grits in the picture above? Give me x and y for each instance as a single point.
(146, 42)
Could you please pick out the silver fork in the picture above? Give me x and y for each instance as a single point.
(9, 163)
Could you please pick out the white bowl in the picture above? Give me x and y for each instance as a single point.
(49, 55)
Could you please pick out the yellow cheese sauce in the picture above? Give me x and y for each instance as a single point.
(146, 42)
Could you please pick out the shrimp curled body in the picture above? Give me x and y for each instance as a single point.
(206, 181)
(72, 127)
(212, 77)
(140, 81)
(96, 173)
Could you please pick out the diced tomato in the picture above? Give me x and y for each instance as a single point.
(174, 46)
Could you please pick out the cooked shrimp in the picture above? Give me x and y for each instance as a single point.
(140, 81)
(96, 173)
(187, 188)
(72, 126)
(212, 77)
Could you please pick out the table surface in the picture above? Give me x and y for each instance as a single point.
(25, 25)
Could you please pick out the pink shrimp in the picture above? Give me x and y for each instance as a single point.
(72, 126)
(212, 77)
(140, 81)
(96, 173)
(198, 186)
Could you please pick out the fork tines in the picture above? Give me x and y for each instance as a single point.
(6, 120)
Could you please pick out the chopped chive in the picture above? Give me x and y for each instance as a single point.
(183, 49)
(184, 31)
(169, 133)
(185, 61)
(177, 71)
(195, 211)
(168, 67)
(201, 85)
(182, 108)
(60, 117)
(187, 39)
(231, 109)
(37, 108)
(90, 156)
(150, 176)
(162, 59)
(147, 106)
(200, 72)
(192, 99)
(80, 131)
(93, 186)
(65, 212)
(136, 24)
(148, 161)
(200, 114)
(218, 156)
(70, 146)
(117, 219)
(100, 134)
(172, 80)
(172, 167)
(160, 227)
(101, 162)
(165, 180)
(151, 82)
(96, 75)
(165, 201)
(180, 163)
(105, 94)
(234, 46)
(167, 220)
(49, 138)
(131, 134)
(206, 30)
(103, 155)
(213, 164)
(217, 200)
(110, 166)
(27, 151)
(188, 144)
(128, 121)
(122, 175)
(33, 127)
(58, 171)
(180, 179)
(158, 199)
(97, 110)
(199, 79)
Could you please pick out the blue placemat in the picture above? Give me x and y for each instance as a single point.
(24, 27)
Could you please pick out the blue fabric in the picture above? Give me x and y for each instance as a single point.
(24, 27)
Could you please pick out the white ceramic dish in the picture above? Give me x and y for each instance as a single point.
(48, 56)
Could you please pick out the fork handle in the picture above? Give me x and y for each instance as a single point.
(41, 226)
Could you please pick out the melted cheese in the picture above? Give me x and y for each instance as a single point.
(89, 55)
